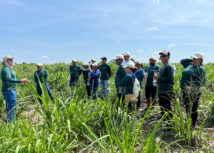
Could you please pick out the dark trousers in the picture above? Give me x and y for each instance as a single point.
(88, 89)
(122, 96)
(39, 91)
(165, 103)
(191, 102)
(138, 101)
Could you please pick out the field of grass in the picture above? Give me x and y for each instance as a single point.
(77, 124)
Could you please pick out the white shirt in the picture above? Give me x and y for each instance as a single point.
(126, 62)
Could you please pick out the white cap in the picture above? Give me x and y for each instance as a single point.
(165, 52)
(93, 60)
(138, 62)
(7, 57)
(153, 58)
(198, 55)
(126, 54)
(39, 64)
(85, 63)
(130, 65)
(118, 57)
(74, 60)
(94, 64)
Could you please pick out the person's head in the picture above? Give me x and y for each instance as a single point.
(130, 67)
(104, 60)
(39, 66)
(197, 59)
(118, 59)
(164, 56)
(8, 60)
(126, 56)
(74, 62)
(95, 66)
(85, 65)
(93, 61)
(138, 64)
(152, 60)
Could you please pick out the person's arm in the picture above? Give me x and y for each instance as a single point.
(202, 77)
(123, 71)
(141, 73)
(124, 81)
(35, 78)
(170, 76)
(79, 70)
(97, 72)
(46, 76)
(158, 69)
(85, 70)
(8, 77)
(109, 71)
(186, 62)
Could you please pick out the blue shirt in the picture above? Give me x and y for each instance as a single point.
(140, 75)
(94, 81)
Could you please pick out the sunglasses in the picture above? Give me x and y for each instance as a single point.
(163, 56)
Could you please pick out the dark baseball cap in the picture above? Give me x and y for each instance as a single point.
(103, 57)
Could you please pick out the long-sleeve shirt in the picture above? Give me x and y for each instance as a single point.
(166, 78)
(75, 71)
(119, 74)
(105, 71)
(94, 78)
(140, 75)
(9, 81)
(42, 75)
(194, 76)
(150, 70)
(86, 73)
(128, 81)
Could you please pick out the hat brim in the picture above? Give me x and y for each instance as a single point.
(195, 57)
(153, 59)
(126, 55)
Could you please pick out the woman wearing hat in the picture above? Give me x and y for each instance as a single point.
(86, 75)
(94, 80)
(9, 87)
(140, 75)
(193, 78)
(127, 81)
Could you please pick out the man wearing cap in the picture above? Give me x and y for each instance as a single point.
(119, 75)
(165, 83)
(75, 72)
(41, 75)
(105, 70)
(150, 89)
(127, 58)
(86, 75)
(9, 87)
(193, 78)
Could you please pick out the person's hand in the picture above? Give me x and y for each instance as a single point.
(156, 76)
(188, 88)
(25, 80)
(21, 83)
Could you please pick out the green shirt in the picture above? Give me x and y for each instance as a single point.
(119, 74)
(166, 79)
(150, 70)
(75, 71)
(8, 78)
(43, 75)
(194, 76)
(128, 82)
(86, 73)
(105, 71)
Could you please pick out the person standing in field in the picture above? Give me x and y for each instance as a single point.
(127, 58)
(86, 75)
(42, 75)
(193, 78)
(128, 82)
(140, 76)
(94, 80)
(9, 87)
(105, 70)
(119, 76)
(165, 83)
(151, 89)
(75, 72)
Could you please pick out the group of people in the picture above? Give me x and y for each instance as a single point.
(158, 79)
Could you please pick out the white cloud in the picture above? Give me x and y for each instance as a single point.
(140, 50)
(156, 1)
(44, 57)
(151, 29)
(172, 45)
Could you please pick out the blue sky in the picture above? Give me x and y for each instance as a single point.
(50, 31)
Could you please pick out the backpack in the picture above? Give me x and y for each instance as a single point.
(136, 88)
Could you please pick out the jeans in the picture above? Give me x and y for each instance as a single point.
(105, 85)
(191, 101)
(165, 103)
(39, 91)
(73, 82)
(11, 105)
(94, 92)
